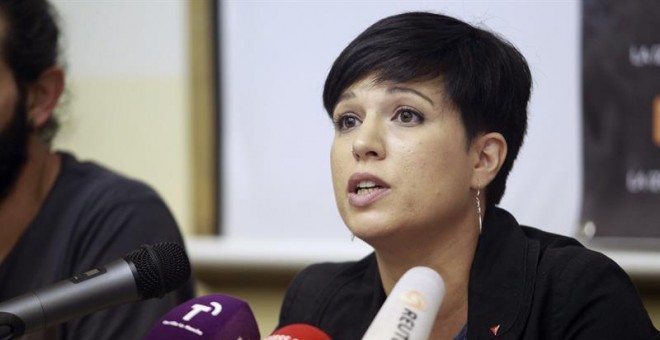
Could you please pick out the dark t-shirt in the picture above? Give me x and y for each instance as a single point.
(91, 217)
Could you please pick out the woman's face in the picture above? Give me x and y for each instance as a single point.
(400, 160)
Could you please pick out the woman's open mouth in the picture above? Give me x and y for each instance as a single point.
(364, 189)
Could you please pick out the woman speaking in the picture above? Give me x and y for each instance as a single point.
(429, 115)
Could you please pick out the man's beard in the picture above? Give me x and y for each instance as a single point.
(13, 148)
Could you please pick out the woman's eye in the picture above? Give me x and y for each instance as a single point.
(408, 117)
(346, 122)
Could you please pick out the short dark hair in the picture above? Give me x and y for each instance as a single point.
(30, 45)
(484, 76)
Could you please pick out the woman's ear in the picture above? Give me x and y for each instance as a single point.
(43, 96)
(490, 152)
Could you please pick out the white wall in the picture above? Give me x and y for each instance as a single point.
(127, 64)
(277, 136)
(128, 109)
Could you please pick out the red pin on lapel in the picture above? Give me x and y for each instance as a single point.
(495, 329)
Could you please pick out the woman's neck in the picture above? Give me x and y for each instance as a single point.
(450, 253)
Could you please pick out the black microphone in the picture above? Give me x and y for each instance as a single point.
(147, 272)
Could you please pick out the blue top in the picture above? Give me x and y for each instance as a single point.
(462, 335)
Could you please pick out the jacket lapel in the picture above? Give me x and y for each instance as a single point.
(501, 278)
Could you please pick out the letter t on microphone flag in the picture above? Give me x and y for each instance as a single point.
(210, 317)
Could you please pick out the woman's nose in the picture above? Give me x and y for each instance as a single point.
(368, 142)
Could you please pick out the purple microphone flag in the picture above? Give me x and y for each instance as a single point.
(214, 316)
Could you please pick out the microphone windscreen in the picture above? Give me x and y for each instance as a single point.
(298, 331)
(209, 317)
(410, 310)
(161, 268)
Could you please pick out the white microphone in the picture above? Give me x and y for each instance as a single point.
(411, 308)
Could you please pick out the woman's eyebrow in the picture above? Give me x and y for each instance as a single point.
(345, 96)
(404, 89)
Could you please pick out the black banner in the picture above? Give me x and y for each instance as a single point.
(621, 118)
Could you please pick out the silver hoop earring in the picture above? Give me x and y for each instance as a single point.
(479, 208)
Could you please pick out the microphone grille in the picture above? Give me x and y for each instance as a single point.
(161, 268)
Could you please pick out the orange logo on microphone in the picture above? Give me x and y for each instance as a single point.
(414, 299)
(656, 120)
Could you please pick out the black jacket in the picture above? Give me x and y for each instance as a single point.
(533, 284)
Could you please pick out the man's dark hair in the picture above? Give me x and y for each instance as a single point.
(30, 45)
(484, 76)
